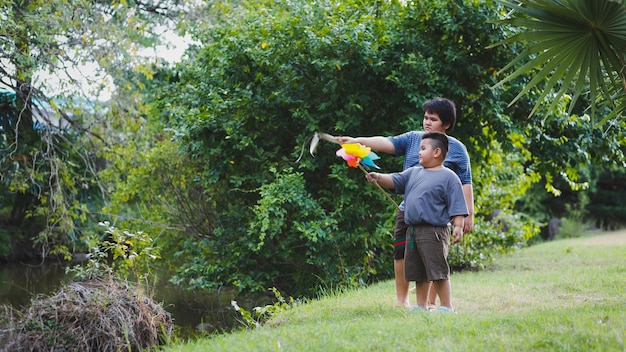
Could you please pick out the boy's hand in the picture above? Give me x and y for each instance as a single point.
(372, 177)
(345, 139)
(457, 235)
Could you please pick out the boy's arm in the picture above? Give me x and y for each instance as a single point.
(468, 193)
(384, 180)
(457, 234)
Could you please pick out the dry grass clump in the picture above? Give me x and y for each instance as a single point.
(88, 316)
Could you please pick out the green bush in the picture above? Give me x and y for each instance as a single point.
(571, 228)
(266, 78)
(221, 182)
(504, 234)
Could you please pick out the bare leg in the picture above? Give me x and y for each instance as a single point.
(445, 292)
(421, 292)
(432, 295)
(402, 286)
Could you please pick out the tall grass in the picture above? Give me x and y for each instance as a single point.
(565, 295)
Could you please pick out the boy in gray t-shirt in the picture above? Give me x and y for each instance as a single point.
(433, 198)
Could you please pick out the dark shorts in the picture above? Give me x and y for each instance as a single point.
(426, 253)
(399, 236)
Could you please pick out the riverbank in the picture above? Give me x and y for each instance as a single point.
(565, 295)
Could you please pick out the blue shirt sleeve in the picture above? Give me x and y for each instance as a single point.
(408, 145)
(458, 161)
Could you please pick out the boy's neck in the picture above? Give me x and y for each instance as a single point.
(434, 167)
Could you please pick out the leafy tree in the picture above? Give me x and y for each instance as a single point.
(606, 207)
(51, 125)
(220, 178)
(259, 84)
(570, 47)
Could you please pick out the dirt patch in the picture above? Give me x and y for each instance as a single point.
(617, 237)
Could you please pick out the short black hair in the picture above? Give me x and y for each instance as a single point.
(438, 140)
(446, 110)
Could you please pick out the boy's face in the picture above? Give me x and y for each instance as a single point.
(432, 123)
(427, 154)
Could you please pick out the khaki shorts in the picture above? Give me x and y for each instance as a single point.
(426, 253)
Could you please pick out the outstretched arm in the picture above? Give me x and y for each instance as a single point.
(377, 143)
(384, 180)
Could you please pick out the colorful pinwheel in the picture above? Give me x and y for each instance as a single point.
(356, 154)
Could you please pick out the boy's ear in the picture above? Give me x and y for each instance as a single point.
(437, 152)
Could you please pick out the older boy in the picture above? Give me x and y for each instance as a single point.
(433, 198)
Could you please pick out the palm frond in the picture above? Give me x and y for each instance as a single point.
(567, 44)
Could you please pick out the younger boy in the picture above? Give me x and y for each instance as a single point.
(433, 199)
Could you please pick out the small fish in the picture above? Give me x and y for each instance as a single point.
(314, 142)
(315, 139)
(327, 137)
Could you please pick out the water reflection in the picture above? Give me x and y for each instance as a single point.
(19, 282)
(194, 313)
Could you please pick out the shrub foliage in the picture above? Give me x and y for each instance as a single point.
(240, 209)
(244, 106)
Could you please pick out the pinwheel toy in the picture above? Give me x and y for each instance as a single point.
(355, 154)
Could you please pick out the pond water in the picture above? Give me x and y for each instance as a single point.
(193, 312)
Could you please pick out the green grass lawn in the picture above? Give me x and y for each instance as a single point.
(565, 295)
